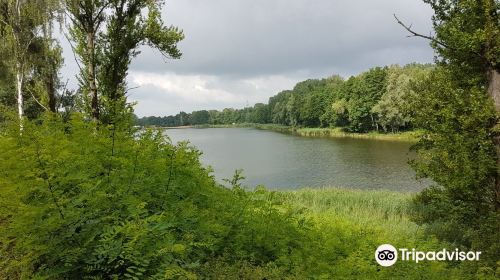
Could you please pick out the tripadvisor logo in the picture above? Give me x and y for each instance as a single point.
(387, 255)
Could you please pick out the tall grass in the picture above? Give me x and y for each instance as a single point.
(354, 223)
(338, 132)
(375, 209)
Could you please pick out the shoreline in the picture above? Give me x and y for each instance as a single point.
(176, 127)
(407, 136)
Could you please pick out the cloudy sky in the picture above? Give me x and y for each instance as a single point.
(239, 52)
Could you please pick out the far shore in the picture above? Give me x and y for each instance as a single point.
(177, 127)
(408, 136)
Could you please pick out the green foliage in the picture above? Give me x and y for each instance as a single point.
(394, 111)
(460, 149)
(346, 225)
(29, 52)
(99, 191)
(468, 36)
(456, 151)
(374, 99)
(125, 31)
(81, 201)
(107, 35)
(361, 94)
(336, 115)
(199, 117)
(235, 182)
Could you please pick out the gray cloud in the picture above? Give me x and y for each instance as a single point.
(228, 37)
(273, 43)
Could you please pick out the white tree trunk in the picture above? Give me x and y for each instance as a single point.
(19, 89)
(19, 66)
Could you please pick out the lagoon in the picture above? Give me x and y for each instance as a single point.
(285, 161)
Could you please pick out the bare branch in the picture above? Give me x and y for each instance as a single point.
(73, 19)
(132, 88)
(415, 34)
(73, 50)
(36, 100)
(430, 37)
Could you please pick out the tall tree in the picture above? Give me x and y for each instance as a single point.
(87, 17)
(459, 112)
(467, 39)
(19, 31)
(107, 34)
(127, 29)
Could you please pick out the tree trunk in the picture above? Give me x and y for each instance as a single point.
(16, 29)
(373, 121)
(51, 91)
(494, 93)
(494, 87)
(91, 76)
(19, 89)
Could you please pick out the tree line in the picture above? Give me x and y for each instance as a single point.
(379, 99)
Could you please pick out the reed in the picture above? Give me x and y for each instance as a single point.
(387, 211)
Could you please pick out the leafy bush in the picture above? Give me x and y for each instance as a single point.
(109, 202)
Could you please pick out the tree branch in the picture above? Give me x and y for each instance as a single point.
(132, 88)
(74, 51)
(432, 39)
(415, 34)
(4, 22)
(101, 10)
(36, 100)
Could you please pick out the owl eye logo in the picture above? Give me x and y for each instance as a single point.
(386, 255)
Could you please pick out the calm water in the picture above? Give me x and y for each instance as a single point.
(281, 161)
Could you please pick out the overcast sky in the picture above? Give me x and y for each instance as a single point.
(239, 52)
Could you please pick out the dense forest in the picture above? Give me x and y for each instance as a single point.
(380, 99)
(84, 194)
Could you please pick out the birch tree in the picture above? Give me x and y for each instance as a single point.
(26, 26)
(18, 34)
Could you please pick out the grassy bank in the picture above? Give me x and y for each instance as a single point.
(380, 208)
(410, 136)
(356, 222)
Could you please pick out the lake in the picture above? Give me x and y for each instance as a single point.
(284, 161)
